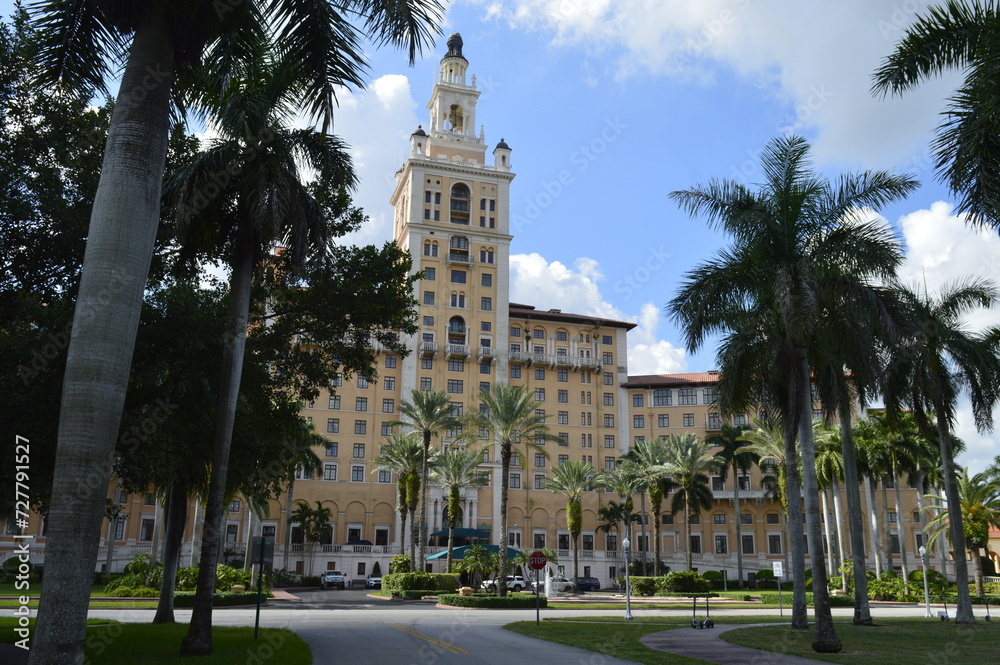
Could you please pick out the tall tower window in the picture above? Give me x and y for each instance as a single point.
(459, 204)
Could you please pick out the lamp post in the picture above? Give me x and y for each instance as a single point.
(628, 588)
(923, 567)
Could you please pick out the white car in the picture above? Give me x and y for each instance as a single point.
(373, 581)
(558, 584)
(332, 578)
(514, 583)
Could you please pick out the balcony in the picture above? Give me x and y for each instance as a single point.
(459, 258)
(562, 360)
(457, 329)
(457, 351)
(487, 352)
(589, 363)
(428, 348)
(519, 356)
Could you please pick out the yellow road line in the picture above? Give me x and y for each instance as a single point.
(433, 640)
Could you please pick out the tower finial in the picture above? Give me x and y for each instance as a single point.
(455, 44)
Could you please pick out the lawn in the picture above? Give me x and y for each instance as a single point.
(129, 643)
(8, 589)
(892, 642)
(616, 637)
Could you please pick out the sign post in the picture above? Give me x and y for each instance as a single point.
(778, 572)
(263, 548)
(537, 561)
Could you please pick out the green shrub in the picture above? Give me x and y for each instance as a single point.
(126, 581)
(446, 582)
(227, 576)
(133, 592)
(400, 564)
(887, 586)
(514, 601)
(414, 594)
(310, 580)
(643, 586)
(139, 565)
(376, 570)
(280, 577)
(684, 581)
(771, 598)
(187, 579)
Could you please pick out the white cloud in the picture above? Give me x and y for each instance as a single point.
(818, 58)
(535, 281)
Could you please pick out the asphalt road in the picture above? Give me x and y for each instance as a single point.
(349, 627)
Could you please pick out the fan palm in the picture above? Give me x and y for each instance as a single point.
(930, 367)
(429, 413)
(957, 36)
(511, 415)
(455, 470)
(403, 454)
(688, 461)
(572, 479)
(83, 42)
(802, 245)
(734, 454)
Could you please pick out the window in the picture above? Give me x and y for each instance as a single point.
(718, 484)
(329, 472)
(746, 518)
(120, 528)
(714, 421)
(428, 297)
(428, 320)
(458, 276)
(609, 463)
(892, 517)
(688, 420)
(916, 517)
(360, 426)
(539, 540)
(638, 421)
(687, 396)
(609, 440)
(539, 460)
(719, 518)
(662, 397)
(515, 371)
(667, 518)
(563, 396)
(458, 300)
(487, 279)
(486, 256)
(455, 386)
(538, 334)
(357, 473)
(388, 405)
(562, 375)
(386, 429)
(359, 450)
(335, 402)
(539, 373)
(744, 483)
(332, 425)
(456, 365)
(740, 419)
(710, 395)
(607, 357)
(609, 420)
(484, 387)
(384, 476)
(425, 384)
(609, 379)
(539, 481)
(562, 418)
(563, 438)
(773, 543)
(390, 361)
(695, 544)
(663, 420)
(748, 547)
(637, 401)
(694, 518)
(721, 544)
(609, 399)
(484, 367)
(360, 403)
(773, 518)
(146, 530)
(515, 332)
(515, 481)
(430, 274)
(232, 533)
(389, 383)
(539, 394)
(426, 362)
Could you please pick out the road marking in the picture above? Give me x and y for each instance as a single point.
(433, 640)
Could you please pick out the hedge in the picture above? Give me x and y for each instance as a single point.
(417, 581)
(186, 599)
(493, 602)
(413, 594)
(771, 598)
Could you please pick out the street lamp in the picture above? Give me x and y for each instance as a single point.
(628, 588)
(923, 567)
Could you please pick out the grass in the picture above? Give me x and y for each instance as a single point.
(7, 589)
(892, 642)
(616, 637)
(620, 605)
(94, 604)
(129, 643)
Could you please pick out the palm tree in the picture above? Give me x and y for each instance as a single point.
(872, 462)
(82, 43)
(648, 456)
(455, 470)
(511, 415)
(802, 246)
(478, 561)
(572, 479)
(429, 413)
(688, 461)
(938, 359)
(829, 472)
(734, 454)
(314, 522)
(403, 455)
(766, 441)
(959, 36)
(980, 510)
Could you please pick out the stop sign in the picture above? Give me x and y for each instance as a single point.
(537, 560)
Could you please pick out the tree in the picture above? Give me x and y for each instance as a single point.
(979, 498)
(734, 455)
(477, 562)
(688, 461)
(455, 470)
(801, 244)
(572, 479)
(403, 455)
(81, 42)
(957, 36)
(429, 413)
(829, 472)
(512, 418)
(933, 363)
(648, 458)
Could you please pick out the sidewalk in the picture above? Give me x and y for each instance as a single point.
(707, 645)
(281, 594)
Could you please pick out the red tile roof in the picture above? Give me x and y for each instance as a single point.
(529, 312)
(654, 380)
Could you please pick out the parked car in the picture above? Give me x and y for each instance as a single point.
(588, 583)
(514, 583)
(558, 583)
(332, 578)
(373, 581)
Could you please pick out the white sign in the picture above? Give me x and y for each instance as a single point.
(776, 566)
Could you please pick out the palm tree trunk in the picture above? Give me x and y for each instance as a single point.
(924, 558)
(120, 240)
(900, 528)
(247, 554)
(422, 530)
(502, 539)
(873, 526)
(855, 516)
(977, 570)
(687, 527)
(827, 534)
(886, 532)
(800, 619)
(963, 610)
(154, 546)
(176, 516)
(199, 522)
(576, 559)
(109, 553)
(739, 536)
(452, 501)
(289, 502)
(826, 636)
(198, 641)
(642, 509)
(838, 513)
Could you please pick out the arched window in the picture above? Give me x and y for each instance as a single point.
(459, 204)
(486, 255)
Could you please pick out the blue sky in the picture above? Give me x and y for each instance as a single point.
(638, 98)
